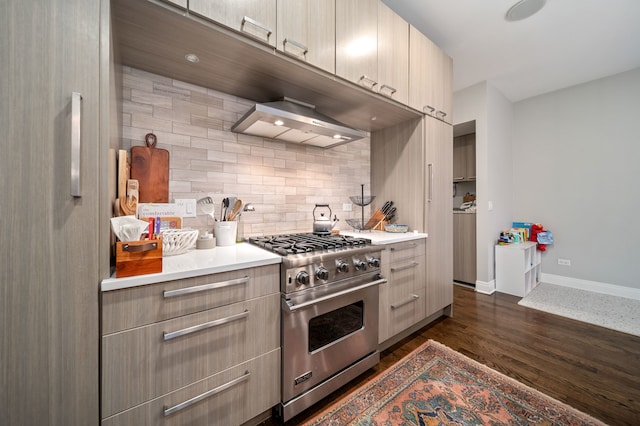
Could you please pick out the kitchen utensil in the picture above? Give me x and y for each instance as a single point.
(386, 207)
(207, 207)
(323, 225)
(223, 211)
(150, 166)
(237, 205)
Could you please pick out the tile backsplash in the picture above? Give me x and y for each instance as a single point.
(284, 181)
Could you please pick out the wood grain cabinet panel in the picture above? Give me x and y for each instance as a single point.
(438, 216)
(402, 298)
(357, 41)
(430, 77)
(393, 55)
(256, 18)
(231, 397)
(306, 29)
(133, 307)
(464, 247)
(147, 362)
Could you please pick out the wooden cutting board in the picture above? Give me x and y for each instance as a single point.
(150, 167)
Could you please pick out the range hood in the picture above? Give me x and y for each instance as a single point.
(294, 121)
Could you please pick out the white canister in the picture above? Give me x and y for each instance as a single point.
(225, 232)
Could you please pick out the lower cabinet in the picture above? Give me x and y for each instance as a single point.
(192, 351)
(464, 247)
(403, 297)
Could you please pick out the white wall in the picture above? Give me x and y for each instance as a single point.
(575, 168)
(493, 114)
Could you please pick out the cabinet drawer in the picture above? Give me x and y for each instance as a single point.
(405, 250)
(404, 307)
(146, 362)
(231, 397)
(134, 307)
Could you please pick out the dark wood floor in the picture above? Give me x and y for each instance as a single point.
(591, 368)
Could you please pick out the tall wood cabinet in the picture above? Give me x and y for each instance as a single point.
(464, 158)
(51, 262)
(411, 164)
(306, 29)
(438, 221)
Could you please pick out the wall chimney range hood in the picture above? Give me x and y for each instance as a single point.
(294, 121)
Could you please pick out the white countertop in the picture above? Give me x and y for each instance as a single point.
(199, 262)
(383, 237)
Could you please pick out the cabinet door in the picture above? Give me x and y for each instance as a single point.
(464, 247)
(357, 41)
(256, 18)
(464, 158)
(438, 216)
(430, 77)
(306, 30)
(393, 55)
(50, 256)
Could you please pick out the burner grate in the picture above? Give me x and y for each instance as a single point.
(306, 243)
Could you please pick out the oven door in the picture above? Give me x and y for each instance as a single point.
(327, 329)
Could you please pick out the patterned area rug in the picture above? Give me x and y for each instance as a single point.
(435, 385)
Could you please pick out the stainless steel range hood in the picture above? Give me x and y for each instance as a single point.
(294, 121)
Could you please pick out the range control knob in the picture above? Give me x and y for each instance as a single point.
(359, 265)
(322, 273)
(302, 278)
(373, 261)
(342, 266)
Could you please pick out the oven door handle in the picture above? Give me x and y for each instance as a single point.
(292, 308)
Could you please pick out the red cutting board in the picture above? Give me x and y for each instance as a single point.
(150, 166)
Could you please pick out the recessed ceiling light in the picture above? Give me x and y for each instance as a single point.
(278, 122)
(192, 57)
(523, 9)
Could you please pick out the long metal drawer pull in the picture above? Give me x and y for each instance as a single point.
(76, 121)
(204, 326)
(365, 79)
(334, 295)
(204, 287)
(430, 198)
(407, 247)
(207, 394)
(386, 86)
(247, 20)
(402, 268)
(296, 44)
(413, 298)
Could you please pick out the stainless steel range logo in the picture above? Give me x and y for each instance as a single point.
(300, 379)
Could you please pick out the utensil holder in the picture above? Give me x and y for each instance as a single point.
(225, 232)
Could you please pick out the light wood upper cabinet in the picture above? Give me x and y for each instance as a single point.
(393, 55)
(430, 77)
(256, 18)
(306, 29)
(357, 41)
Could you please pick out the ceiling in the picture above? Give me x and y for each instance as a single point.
(566, 43)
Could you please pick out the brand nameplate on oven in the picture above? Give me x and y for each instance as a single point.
(303, 378)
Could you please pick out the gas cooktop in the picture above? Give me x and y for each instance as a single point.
(307, 243)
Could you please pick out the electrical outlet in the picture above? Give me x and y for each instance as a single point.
(189, 206)
(347, 207)
(564, 262)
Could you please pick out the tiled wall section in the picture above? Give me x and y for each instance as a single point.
(282, 180)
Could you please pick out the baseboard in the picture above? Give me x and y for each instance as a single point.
(597, 287)
(486, 288)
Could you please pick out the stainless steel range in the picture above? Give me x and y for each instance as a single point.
(329, 286)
